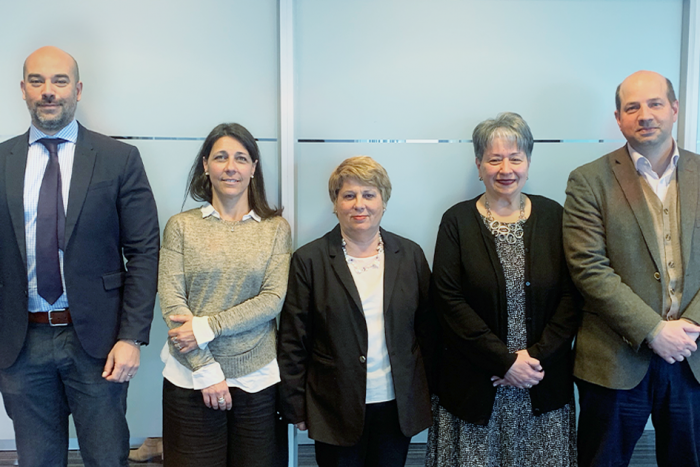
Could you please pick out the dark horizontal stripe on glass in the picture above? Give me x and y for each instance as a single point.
(438, 141)
(180, 138)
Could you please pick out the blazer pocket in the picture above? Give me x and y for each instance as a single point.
(113, 280)
(99, 185)
(322, 358)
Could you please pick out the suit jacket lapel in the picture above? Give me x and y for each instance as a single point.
(83, 163)
(14, 184)
(340, 266)
(688, 186)
(628, 178)
(392, 260)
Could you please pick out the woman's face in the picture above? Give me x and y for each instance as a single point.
(359, 207)
(230, 169)
(503, 168)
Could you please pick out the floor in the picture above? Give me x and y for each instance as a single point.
(643, 456)
(74, 460)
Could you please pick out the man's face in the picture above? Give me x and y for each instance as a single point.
(646, 116)
(51, 89)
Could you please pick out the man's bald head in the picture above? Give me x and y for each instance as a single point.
(52, 53)
(51, 87)
(670, 93)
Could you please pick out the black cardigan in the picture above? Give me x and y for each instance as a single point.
(470, 298)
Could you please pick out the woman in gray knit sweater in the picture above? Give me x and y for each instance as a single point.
(222, 282)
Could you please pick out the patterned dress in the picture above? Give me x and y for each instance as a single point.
(513, 435)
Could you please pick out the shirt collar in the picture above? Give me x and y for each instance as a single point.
(208, 210)
(643, 165)
(68, 132)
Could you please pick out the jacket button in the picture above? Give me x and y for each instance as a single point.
(657, 276)
(362, 359)
(527, 284)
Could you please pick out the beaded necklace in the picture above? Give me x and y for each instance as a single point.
(503, 231)
(375, 263)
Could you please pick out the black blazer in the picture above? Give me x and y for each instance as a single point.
(323, 339)
(110, 211)
(470, 299)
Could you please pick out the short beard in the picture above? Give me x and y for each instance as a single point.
(56, 122)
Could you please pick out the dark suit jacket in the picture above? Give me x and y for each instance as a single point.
(111, 215)
(323, 339)
(470, 299)
(614, 259)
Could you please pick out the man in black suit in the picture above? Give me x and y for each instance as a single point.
(78, 270)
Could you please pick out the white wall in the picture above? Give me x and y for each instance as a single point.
(165, 72)
(412, 70)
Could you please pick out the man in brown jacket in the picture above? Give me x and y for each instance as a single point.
(630, 221)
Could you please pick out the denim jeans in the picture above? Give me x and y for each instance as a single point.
(612, 421)
(245, 436)
(52, 378)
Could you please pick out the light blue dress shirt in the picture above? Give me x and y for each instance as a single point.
(37, 160)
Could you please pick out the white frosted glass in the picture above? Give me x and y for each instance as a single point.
(418, 69)
(427, 179)
(151, 68)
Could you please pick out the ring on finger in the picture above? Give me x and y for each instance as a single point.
(221, 400)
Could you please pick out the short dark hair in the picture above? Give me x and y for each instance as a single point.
(199, 185)
(670, 94)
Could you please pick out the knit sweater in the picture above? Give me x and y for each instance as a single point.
(235, 273)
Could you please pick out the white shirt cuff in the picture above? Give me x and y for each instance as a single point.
(202, 331)
(208, 375)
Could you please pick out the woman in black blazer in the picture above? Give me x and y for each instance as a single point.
(351, 339)
(508, 313)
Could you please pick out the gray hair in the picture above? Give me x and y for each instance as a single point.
(507, 125)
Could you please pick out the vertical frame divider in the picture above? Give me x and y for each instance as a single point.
(287, 165)
(689, 94)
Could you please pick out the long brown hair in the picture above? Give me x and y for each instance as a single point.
(199, 185)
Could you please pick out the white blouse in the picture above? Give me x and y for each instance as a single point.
(368, 274)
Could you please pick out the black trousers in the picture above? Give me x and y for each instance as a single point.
(612, 421)
(245, 436)
(382, 443)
